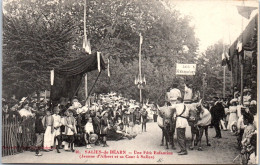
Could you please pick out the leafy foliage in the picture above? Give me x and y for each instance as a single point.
(42, 34)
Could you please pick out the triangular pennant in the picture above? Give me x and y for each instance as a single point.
(239, 46)
(108, 69)
(245, 11)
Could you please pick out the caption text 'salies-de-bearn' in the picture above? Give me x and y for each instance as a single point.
(108, 154)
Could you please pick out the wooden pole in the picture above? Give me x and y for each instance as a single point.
(85, 39)
(140, 67)
(241, 65)
(224, 81)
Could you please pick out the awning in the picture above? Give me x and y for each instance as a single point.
(67, 77)
(245, 37)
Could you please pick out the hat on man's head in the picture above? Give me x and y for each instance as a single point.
(103, 113)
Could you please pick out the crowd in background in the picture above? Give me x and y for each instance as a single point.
(103, 117)
(240, 119)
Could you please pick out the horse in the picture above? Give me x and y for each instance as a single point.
(168, 125)
(199, 119)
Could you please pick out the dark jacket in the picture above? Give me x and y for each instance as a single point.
(104, 125)
(217, 112)
(39, 128)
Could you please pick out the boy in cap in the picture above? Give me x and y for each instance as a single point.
(88, 129)
(57, 124)
(70, 130)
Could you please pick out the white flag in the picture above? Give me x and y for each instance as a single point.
(98, 61)
(141, 39)
(108, 70)
(86, 45)
(52, 77)
(239, 46)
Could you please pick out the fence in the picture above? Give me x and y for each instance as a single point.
(17, 135)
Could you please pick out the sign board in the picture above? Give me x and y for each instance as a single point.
(185, 69)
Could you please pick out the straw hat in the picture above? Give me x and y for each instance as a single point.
(253, 102)
(93, 138)
(233, 101)
(103, 113)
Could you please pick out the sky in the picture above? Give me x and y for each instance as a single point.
(215, 20)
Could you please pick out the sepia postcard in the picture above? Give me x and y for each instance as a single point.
(130, 81)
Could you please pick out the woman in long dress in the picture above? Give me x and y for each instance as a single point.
(233, 117)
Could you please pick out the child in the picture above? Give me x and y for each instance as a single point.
(57, 124)
(70, 130)
(39, 130)
(104, 127)
(48, 135)
(88, 130)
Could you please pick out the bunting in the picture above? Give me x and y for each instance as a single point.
(108, 70)
(245, 11)
(239, 46)
(98, 61)
(52, 77)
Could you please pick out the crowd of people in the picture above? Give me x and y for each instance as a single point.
(239, 119)
(228, 114)
(112, 117)
(71, 122)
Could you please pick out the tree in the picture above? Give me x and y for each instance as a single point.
(31, 48)
(210, 63)
(113, 27)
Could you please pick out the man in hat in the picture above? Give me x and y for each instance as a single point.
(217, 113)
(144, 119)
(137, 119)
(57, 124)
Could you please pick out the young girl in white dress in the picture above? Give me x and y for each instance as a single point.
(233, 117)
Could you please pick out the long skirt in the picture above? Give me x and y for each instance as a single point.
(48, 138)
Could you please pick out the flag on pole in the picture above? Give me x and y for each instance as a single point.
(245, 11)
(86, 45)
(239, 46)
(141, 39)
(144, 80)
(225, 58)
(108, 71)
(52, 77)
(98, 61)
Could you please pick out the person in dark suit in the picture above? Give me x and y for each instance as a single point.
(217, 113)
(144, 119)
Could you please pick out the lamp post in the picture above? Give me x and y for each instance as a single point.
(140, 81)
